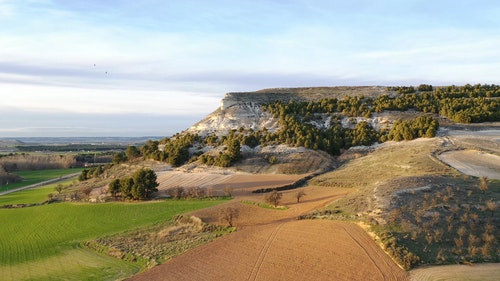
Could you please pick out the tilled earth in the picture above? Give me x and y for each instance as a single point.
(272, 244)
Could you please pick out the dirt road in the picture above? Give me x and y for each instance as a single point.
(40, 184)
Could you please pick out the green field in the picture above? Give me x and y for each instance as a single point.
(32, 177)
(43, 242)
(32, 195)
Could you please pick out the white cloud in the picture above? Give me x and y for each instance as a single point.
(100, 101)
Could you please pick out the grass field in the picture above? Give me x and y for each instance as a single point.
(32, 195)
(43, 241)
(32, 177)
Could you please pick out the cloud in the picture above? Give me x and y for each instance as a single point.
(81, 100)
(24, 123)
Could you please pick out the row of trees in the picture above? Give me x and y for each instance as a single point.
(140, 186)
(23, 161)
(93, 172)
(478, 90)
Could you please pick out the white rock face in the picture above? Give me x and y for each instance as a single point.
(248, 115)
(245, 109)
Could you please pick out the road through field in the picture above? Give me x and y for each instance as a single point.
(61, 178)
(272, 244)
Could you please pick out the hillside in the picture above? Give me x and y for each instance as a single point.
(414, 168)
(244, 109)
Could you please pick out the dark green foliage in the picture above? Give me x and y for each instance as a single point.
(422, 126)
(140, 186)
(114, 187)
(467, 104)
(119, 157)
(132, 152)
(424, 88)
(231, 154)
(363, 134)
(150, 150)
(233, 149)
(317, 124)
(144, 184)
(126, 185)
(93, 172)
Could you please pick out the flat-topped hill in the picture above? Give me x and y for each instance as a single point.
(300, 94)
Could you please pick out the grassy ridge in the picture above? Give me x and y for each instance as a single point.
(32, 177)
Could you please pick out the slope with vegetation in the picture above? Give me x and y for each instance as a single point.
(321, 119)
(422, 210)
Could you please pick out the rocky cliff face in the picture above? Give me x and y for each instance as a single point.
(244, 109)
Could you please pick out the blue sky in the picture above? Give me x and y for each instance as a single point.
(151, 67)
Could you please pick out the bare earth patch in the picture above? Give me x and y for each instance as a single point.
(239, 182)
(290, 250)
(473, 162)
(457, 272)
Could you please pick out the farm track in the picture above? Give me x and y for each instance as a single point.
(263, 253)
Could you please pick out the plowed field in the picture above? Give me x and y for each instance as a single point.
(271, 244)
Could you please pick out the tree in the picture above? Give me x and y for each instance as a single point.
(228, 214)
(144, 184)
(126, 187)
(233, 149)
(59, 188)
(132, 152)
(119, 157)
(83, 175)
(299, 195)
(149, 149)
(274, 198)
(114, 187)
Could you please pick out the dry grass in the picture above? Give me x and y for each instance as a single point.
(424, 211)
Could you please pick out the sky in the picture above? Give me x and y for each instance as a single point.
(156, 67)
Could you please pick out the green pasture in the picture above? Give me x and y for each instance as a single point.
(32, 177)
(43, 242)
(32, 195)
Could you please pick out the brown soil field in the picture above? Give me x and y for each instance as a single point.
(270, 244)
(457, 272)
(240, 182)
(289, 250)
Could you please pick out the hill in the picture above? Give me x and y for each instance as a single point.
(244, 109)
(416, 168)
